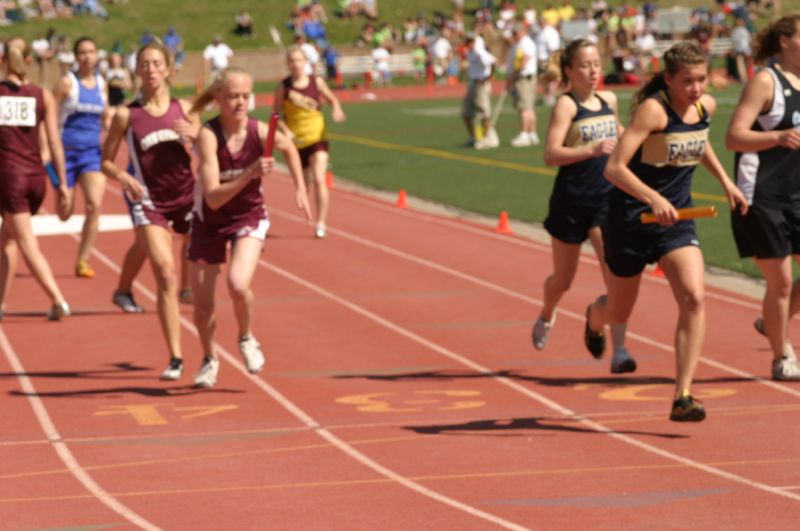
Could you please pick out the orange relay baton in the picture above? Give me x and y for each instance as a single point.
(685, 213)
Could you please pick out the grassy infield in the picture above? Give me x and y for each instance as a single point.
(508, 179)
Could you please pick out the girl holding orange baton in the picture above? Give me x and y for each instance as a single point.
(652, 169)
(229, 207)
(583, 131)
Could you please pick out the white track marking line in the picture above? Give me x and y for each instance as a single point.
(555, 406)
(61, 449)
(536, 302)
(323, 432)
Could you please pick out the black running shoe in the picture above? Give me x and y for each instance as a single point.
(687, 409)
(758, 324)
(595, 341)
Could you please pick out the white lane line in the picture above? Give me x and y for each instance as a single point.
(60, 447)
(323, 432)
(534, 301)
(555, 406)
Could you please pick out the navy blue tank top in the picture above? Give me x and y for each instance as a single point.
(665, 162)
(582, 182)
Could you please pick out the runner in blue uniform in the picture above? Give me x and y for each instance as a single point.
(652, 169)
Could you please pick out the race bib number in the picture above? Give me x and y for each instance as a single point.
(17, 111)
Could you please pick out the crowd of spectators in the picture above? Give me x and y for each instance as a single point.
(12, 11)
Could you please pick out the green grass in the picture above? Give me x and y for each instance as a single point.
(488, 182)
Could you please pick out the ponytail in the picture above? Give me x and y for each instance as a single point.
(208, 94)
(686, 53)
(768, 40)
(17, 54)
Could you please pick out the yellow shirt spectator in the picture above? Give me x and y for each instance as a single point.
(551, 16)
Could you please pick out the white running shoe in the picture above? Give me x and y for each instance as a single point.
(487, 142)
(207, 377)
(59, 311)
(320, 231)
(173, 371)
(622, 361)
(534, 139)
(785, 369)
(789, 353)
(523, 139)
(250, 350)
(541, 331)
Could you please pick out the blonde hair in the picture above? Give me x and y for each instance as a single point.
(17, 54)
(768, 40)
(202, 100)
(295, 49)
(560, 60)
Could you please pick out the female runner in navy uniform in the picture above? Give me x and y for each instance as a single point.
(229, 207)
(583, 131)
(652, 169)
(764, 133)
(161, 189)
(23, 109)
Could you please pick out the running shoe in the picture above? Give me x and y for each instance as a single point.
(523, 139)
(534, 138)
(126, 302)
(84, 270)
(320, 231)
(622, 361)
(785, 369)
(758, 324)
(174, 370)
(58, 311)
(687, 409)
(207, 377)
(595, 341)
(250, 350)
(185, 296)
(541, 331)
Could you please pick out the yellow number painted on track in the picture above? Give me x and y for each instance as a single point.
(434, 400)
(151, 414)
(636, 393)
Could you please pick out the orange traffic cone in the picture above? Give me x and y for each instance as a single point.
(198, 84)
(402, 201)
(658, 272)
(329, 179)
(502, 225)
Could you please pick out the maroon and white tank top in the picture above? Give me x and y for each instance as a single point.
(248, 204)
(159, 159)
(21, 112)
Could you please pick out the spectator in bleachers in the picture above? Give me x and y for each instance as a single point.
(529, 17)
(566, 12)
(366, 37)
(174, 45)
(331, 57)
(410, 30)
(550, 15)
(43, 51)
(505, 17)
(146, 38)
(419, 58)
(381, 55)
(643, 44)
(244, 24)
(441, 53)
(384, 36)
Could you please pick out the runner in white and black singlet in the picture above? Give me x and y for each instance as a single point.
(652, 169)
(229, 209)
(764, 133)
(583, 131)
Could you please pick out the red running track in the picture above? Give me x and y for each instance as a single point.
(401, 392)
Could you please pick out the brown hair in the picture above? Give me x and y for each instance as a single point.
(155, 44)
(17, 54)
(559, 61)
(202, 100)
(768, 40)
(686, 53)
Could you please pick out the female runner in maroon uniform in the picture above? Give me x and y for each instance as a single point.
(229, 207)
(161, 189)
(23, 108)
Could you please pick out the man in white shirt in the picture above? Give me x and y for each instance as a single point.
(441, 52)
(217, 56)
(311, 53)
(477, 102)
(548, 42)
(521, 83)
(380, 62)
